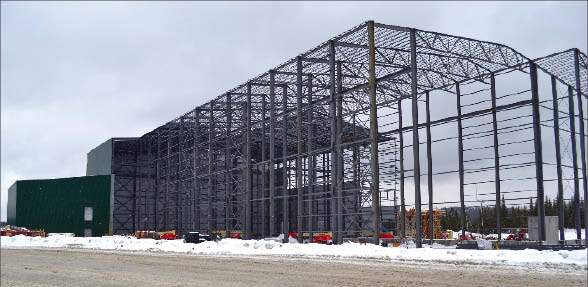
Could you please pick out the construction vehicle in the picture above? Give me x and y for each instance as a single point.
(323, 239)
(517, 236)
(15, 230)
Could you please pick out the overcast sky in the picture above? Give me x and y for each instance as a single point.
(75, 74)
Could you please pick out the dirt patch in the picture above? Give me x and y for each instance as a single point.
(45, 267)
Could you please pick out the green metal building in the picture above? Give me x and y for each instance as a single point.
(79, 205)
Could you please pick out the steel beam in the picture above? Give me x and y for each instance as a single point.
(429, 170)
(415, 138)
(497, 206)
(374, 162)
(560, 198)
(538, 150)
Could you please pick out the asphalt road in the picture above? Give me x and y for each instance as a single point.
(75, 267)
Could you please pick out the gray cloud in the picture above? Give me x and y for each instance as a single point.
(75, 74)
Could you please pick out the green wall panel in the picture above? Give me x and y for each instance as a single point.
(57, 205)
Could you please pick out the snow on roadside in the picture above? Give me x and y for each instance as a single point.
(527, 257)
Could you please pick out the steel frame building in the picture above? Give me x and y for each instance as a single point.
(320, 142)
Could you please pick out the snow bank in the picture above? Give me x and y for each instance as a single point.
(570, 233)
(527, 257)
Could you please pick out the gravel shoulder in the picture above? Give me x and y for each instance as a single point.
(59, 267)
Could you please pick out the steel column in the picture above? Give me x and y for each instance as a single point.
(228, 176)
(299, 207)
(272, 171)
(460, 162)
(560, 199)
(497, 206)
(429, 170)
(157, 174)
(333, 131)
(263, 168)
(248, 218)
(286, 192)
(582, 139)
(538, 150)
(210, 168)
(196, 196)
(179, 204)
(415, 138)
(339, 154)
(167, 172)
(374, 162)
(311, 161)
(401, 144)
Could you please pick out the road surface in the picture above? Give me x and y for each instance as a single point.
(76, 267)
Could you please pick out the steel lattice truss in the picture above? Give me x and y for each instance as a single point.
(317, 143)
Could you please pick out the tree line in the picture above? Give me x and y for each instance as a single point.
(513, 217)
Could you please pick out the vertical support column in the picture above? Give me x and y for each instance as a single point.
(415, 138)
(339, 155)
(460, 160)
(263, 167)
(560, 202)
(135, 208)
(248, 218)
(167, 180)
(149, 182)
(272, 171)
(210, 166)
(197, 187)
(334, 161)
(299, 207)
(401, 143)
(430, 171)
(179, 204)
(285, 181)
(157, 174)
(374, 162)
(311, 161)
(228, 167)
(357, 198)
(574, 160)
(538, 150)
(582, 139)
(497, 206)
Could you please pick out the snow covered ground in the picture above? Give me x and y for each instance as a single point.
(529, 257)
(569, 233)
